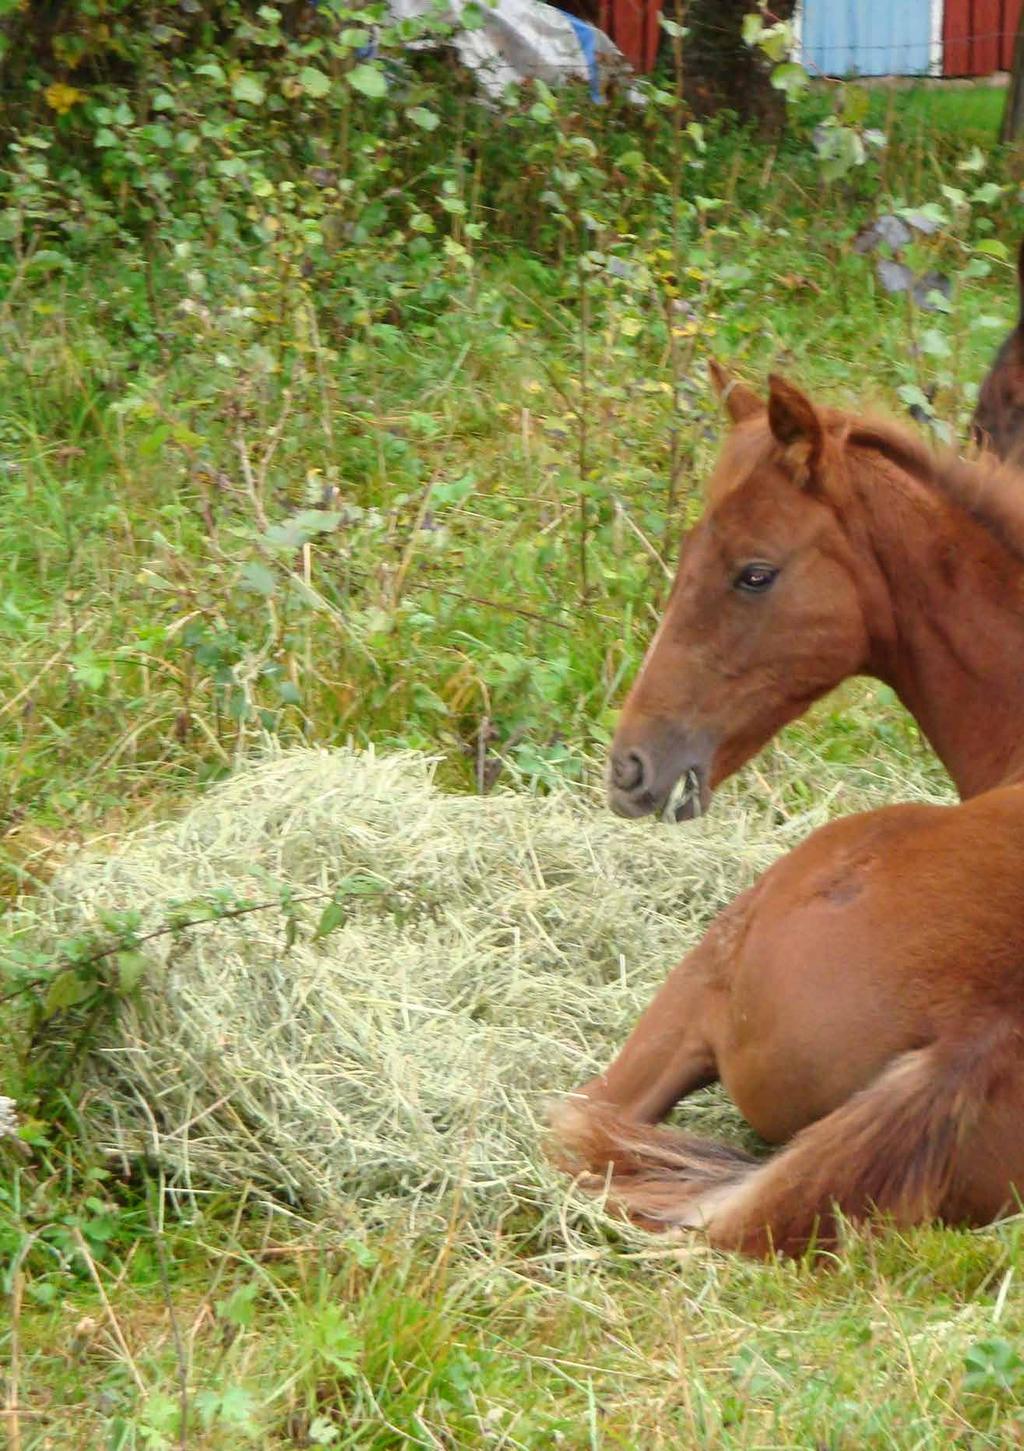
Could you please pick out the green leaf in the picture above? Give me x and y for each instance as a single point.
(974, 162)
(333, 1340)
(791, 78)
(454, 491)
(331, 918)
(363, 1254)
(368, 80)
(232, 1408)
(913, 397)
(161, 1414)
(938, 302)
(987, 193)
(314, 82)
(256, 578)
(302, 527)
(929, 212)
(992, 247)
(154, 442)
(65, 991)
(934, 344)
(775, 42)
(104, 138)
(238, 1308)
(427, 700)
(992, 1365)
(246, 87)
(632, 161)
(359, 884)
(131, 968)
(89, 671)
(855, 104)
(121, 923)
(424, 119)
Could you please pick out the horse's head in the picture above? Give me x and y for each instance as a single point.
(764, 615)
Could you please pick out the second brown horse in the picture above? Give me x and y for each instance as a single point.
(864, 1002)
(998, 422)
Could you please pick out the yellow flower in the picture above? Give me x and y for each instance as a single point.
(61, 98)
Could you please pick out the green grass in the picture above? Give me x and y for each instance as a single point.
(905, 1342)
(150, 632)
(929, 113)
(160, 610)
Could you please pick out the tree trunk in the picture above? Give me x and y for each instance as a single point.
(1013, 113)
(722, 72)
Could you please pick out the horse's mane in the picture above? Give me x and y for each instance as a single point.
(988, 490)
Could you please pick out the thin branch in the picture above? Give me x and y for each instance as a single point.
(624, 514)
(179, 1344)
(168, 929)
(108, 1309)
(11, 1409)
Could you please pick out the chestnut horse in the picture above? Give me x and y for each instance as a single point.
(999, 417)
(863, 1003)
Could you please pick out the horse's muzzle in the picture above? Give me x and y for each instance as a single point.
(672, 783)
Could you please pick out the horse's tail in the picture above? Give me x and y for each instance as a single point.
(894, 1149)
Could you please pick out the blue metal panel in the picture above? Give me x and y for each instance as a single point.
(867, 37)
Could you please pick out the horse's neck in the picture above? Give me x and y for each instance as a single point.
(949, 638)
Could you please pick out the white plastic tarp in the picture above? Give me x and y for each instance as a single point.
(516, 40)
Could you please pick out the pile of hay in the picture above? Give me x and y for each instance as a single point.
(502, 956)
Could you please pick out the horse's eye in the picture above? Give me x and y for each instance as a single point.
(755, 578)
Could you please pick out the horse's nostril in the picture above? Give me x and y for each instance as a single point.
(627, 771)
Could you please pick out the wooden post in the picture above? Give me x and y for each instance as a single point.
(1013, 112)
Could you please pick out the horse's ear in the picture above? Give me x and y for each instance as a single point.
(795, 423)
(739, 400)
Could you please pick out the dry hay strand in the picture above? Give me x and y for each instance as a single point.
(502, 955)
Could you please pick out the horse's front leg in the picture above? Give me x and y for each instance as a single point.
(669, 1053)
(672, 1050)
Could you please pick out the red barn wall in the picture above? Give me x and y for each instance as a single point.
(978, 35)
